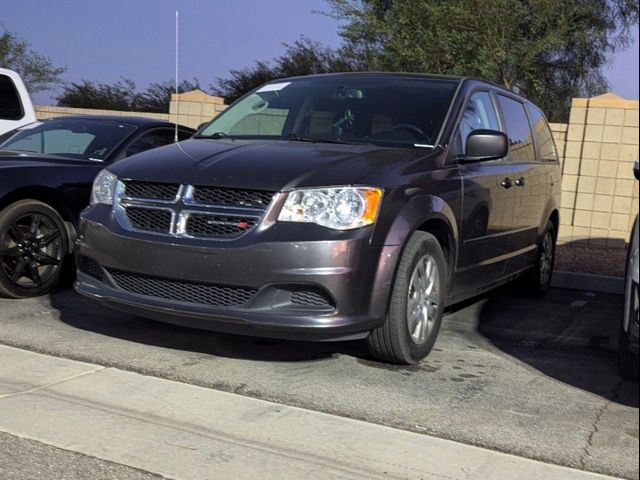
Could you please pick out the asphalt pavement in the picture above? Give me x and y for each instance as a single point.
(527, 377)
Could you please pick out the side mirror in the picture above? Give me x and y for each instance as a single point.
(201, 126)
(485, 145)
(636, 170)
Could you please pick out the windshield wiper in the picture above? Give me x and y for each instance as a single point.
(298, 138)
(214, 135)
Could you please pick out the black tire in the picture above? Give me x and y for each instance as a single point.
(535, 283)
(34, 246)
(394, 341)
(627, 360)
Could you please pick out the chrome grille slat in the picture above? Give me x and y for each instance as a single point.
(209, 225)
(188, 211)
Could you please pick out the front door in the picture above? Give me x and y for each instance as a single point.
(488, 206)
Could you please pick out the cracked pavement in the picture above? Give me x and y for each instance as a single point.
(528, 377)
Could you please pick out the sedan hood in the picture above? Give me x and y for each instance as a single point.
(19, 159)
(263, 165)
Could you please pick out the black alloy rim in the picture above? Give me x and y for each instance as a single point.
(31, 250)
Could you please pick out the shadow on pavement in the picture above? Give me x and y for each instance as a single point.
(569, 336)
(85, 314)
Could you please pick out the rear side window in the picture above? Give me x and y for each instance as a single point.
(516, 125)
(10, 106)
(544, 137)
(154, 139)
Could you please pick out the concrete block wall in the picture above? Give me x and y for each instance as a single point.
(599, 190)
(195, 107)
(47, 111)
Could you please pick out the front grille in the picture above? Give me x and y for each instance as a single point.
(218, 226)
(191, 292)
(90, 267)
(151, 190)
(310, 297)
(232, 197)
(150, 219)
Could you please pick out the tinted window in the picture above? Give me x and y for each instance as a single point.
(70, 137)
(10, 106)
(517, 128)
(149, 140)
(377, 109)
(544, 137)
(478, 114)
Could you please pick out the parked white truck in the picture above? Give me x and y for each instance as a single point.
(16, 108)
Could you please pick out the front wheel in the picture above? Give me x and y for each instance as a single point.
(33, 248)
(416, 306)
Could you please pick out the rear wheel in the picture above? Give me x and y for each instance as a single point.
(417, 304)
(33, 246)
(627, 360)
(536, 282)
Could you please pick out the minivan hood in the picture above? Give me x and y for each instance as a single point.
(263, 165)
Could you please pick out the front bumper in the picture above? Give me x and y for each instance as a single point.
(349, 278)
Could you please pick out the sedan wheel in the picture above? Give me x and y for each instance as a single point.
(33, 245)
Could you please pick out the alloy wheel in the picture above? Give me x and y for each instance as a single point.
(423, 298)
(31, 250)
(546, 258)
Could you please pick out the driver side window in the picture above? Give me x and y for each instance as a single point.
(478, 114)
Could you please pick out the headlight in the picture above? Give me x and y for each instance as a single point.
(340, 208)
(104, 187)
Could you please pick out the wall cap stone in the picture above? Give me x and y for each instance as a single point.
(607, 100)
(197, 96)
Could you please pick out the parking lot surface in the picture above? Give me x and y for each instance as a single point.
(528, 377)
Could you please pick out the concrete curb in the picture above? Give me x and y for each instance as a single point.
(187, 432)
(586, 281)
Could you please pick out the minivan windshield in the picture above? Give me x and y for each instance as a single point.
(375, 109)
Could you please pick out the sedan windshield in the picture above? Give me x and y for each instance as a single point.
(70, 137)
(378, 109)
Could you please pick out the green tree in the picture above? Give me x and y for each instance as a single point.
(122, 95)
(36, 70)
(157, 96)
(303, 57)
(549, 50)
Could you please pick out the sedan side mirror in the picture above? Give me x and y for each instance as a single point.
(636, 170)
(485, 145)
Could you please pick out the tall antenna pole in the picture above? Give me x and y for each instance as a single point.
(175, 138)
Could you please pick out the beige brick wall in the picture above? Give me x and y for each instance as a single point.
(599, 191)
(195, 107)
(190, 109)
(46, 111)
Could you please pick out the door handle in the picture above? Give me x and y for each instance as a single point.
(506, 183)
(520, 182)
